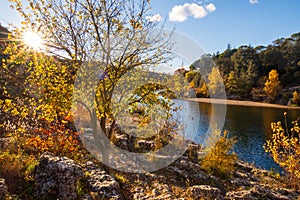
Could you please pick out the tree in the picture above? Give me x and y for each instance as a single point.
(215, 82)
(114, 34)
(296, 98)
(231, 83)
(272, 86)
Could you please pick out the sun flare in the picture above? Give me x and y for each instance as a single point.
(33, 40)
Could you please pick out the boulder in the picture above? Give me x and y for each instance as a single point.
(100, 184)
(57, 177)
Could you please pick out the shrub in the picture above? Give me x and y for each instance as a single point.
(16, 169)
(57, 138)
(285, 148)
(220, 160)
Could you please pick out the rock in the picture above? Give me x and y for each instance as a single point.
(193, 152)
(259, 192)
(204, 192)
(145, 145)
(240, 182)
(121, 141)
(100, 184)
(57, 177)
(139, 193)
(183, 164)
(3, 189)
(244, 166)
(243, 195)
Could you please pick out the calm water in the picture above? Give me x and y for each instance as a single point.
(251, 126)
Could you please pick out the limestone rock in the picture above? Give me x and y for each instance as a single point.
(204, 192)
(56, 177)
(260, 192)
(100, 184)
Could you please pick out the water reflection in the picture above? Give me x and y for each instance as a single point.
(251, 126)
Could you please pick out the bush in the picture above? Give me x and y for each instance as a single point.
(17, 170)
(285, 149)
(220, 160)
(57, 138)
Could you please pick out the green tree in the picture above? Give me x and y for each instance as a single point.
(272, 86)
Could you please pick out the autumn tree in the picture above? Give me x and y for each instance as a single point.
(231, 83)
(272, 86)
(296, 98)
(215, 82)
(115, 35)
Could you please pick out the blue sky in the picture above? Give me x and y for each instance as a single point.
(216, 23)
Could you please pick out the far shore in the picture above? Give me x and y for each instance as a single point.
(241, 103)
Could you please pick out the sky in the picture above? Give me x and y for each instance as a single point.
(216, 23)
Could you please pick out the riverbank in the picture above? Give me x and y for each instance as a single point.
(241, 103)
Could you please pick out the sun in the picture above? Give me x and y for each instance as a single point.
(33, 40)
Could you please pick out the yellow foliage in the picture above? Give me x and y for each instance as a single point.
(285, 147)
(220, 160)
(272, 85)
(296, 98)
(215, 84)
(203, 90)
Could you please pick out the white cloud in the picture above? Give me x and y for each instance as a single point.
(253, 1)
(180, 13)
(210, 7)
(154, 18)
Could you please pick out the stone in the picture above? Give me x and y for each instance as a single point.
(260, 192)
(240, 182)
(145, 145)
(204, 192)
(57, 177)
(100, 184)
(3, 189)
(121, 141)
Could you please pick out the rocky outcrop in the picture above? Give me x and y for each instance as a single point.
(57, 177)
(3, 189)
(260, 192)
(100, 184)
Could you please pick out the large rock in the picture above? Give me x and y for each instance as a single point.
(3, 189)
(57, 177)
(100, 184)
(204, 192)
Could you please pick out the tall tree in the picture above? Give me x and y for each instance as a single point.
(272, 86)
(215, 82)
(116, 35)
